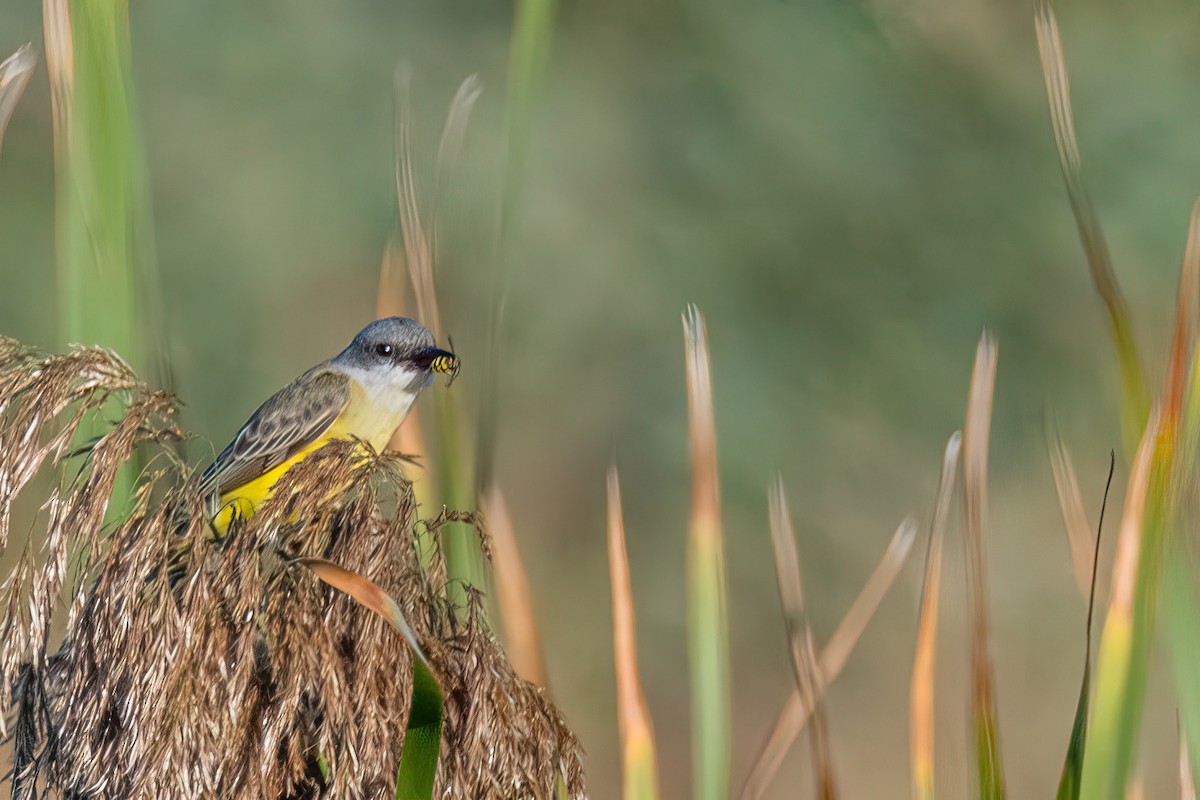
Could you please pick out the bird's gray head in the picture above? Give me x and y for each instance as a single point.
(398, 350)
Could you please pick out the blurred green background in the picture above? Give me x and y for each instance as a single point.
(849, 191)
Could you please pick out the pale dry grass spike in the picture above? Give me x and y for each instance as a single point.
(921, 695)
(794, 714)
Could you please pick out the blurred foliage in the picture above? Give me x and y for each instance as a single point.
(849, 190)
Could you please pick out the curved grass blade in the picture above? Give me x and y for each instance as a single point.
(638, 760)
(708, 627)
(15, 72)
(1070, 781)
(975, 456)
(423, 734)
(800, 637)
(1135, 393)
(921, 695)
(795, 714)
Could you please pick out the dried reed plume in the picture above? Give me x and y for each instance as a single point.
(194, 668)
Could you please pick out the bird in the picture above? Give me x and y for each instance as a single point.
(363, 393)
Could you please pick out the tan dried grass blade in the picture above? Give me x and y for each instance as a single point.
(391, 301)
(418, 252)
(1134, 388)
(15, 72)
(523, 640)
(800, 637)
(639, 762)
(975, 458)
(1070, 502)
(921, 723)
(795, 714)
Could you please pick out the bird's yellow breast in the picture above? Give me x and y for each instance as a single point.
(362, 419)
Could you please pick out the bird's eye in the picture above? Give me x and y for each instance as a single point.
(383, 349)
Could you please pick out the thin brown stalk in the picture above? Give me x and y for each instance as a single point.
(639, 762)
(800, 636)
(513, 596)
(794, 714)
(921, 695)
(1070, 502)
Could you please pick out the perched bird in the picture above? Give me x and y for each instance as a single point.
(362, 393)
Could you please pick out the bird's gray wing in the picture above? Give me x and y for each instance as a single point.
(292, 419)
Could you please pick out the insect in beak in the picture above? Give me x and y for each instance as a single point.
(446, 364)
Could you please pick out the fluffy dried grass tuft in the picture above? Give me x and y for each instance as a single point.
(194, 668)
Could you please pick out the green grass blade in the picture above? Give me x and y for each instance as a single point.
(107, 286)
(528, 56)
(422, 738)
(1108, 756)
(529, 53)
(1072, 772)
(101, 219)
(708, 627)
(1181, 610)
(1071, 779)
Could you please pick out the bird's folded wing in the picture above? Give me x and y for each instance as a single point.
(292, 419)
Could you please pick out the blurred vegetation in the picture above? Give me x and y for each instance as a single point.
(849, 191)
